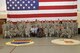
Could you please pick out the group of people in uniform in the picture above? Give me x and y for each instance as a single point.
(67, 28)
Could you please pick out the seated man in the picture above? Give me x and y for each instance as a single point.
(51, 31)
(27, 31)
(40, 32)
(46, 31)
(32, 31)
(12, 32)
(7, 34)
(63, 32)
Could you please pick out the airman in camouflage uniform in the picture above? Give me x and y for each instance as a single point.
(51, 31)
(21, 29)
(4, 28)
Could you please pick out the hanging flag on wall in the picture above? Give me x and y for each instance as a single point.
(41, 9)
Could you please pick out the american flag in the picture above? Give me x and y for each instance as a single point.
(41, 10)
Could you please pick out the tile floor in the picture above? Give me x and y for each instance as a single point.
(41, 45)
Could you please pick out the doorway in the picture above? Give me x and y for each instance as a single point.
(1, 23)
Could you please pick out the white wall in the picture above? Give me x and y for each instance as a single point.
(3, 13)
(3, 5)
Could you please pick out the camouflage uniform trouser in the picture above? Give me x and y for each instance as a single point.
(66, 35)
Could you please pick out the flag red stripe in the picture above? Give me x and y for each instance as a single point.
(42, 15)
(58, 7)
(55, 0)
